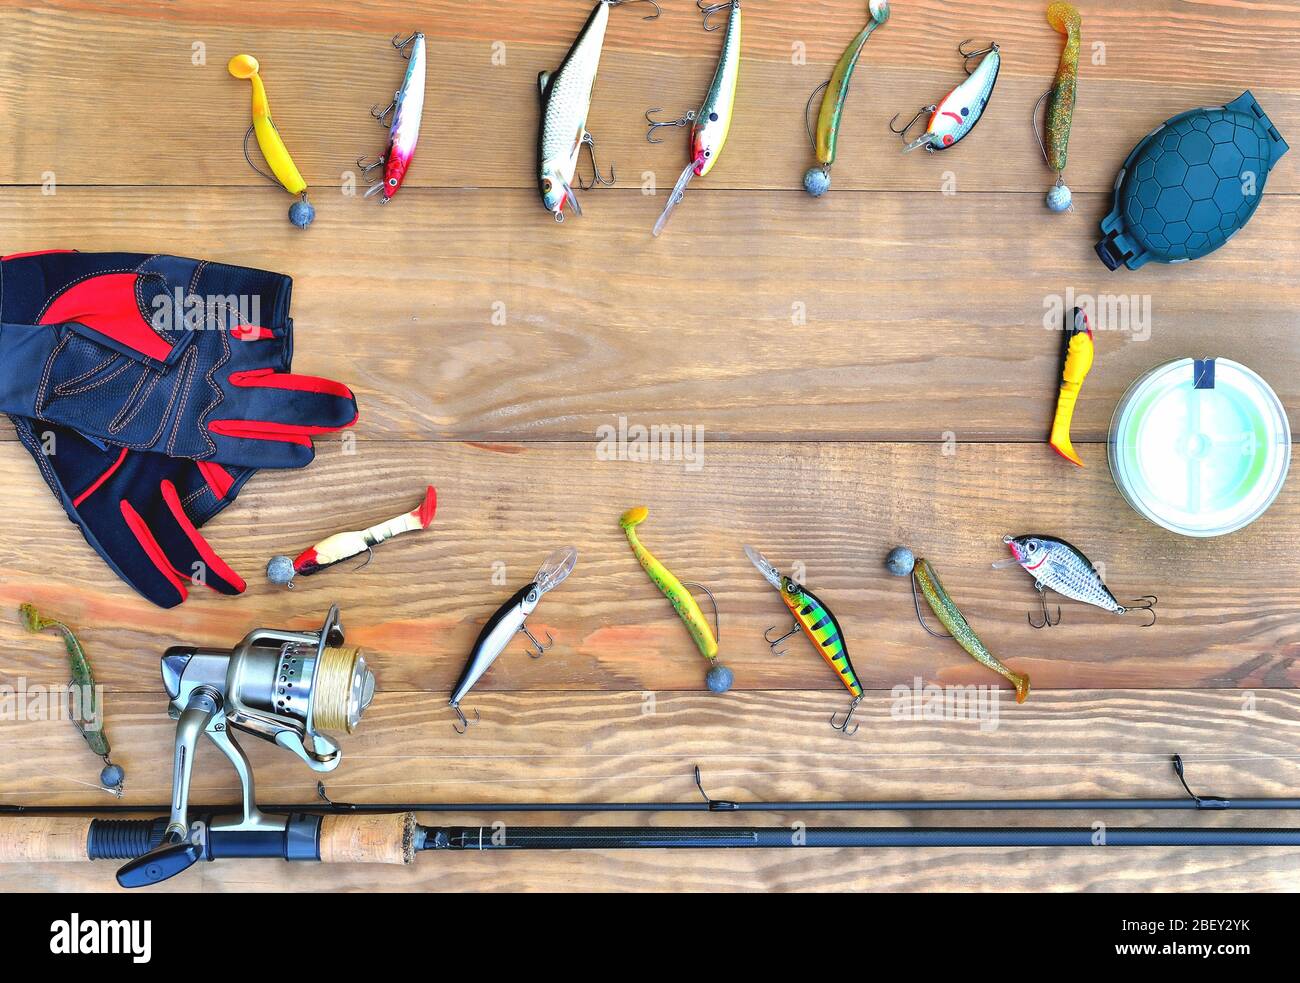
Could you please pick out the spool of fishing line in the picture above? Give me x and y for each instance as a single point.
(1200, 446)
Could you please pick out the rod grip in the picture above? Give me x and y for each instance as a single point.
(43, 839)
(385, 839)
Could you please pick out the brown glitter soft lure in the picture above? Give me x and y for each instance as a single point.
(1060, 100)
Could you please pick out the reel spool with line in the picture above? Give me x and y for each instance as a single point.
(285, 687)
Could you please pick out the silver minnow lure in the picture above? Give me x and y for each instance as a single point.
(508, 621)
(566, 100)
(1059, 566)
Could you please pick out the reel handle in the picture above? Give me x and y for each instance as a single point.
(165, 860)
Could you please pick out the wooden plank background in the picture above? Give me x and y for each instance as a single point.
(868, 369)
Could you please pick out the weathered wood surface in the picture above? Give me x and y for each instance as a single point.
(868, 369)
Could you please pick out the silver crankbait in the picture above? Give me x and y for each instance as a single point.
(566, 100)
(507, 622)
(956, 114)
(1059, 566)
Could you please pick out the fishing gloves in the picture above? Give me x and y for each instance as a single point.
(140, 509)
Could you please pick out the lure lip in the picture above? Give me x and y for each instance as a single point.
(769, 572)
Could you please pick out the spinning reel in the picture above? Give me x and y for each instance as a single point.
(285, 687)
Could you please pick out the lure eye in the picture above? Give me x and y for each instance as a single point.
(708, 153)
(713, 117)
(1033, 547)
(546, 186)
(392, 182)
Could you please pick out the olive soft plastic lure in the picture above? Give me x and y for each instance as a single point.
(719, 678)
(1065, 19)
(1077, 363)
(954, 116)
(835, 91)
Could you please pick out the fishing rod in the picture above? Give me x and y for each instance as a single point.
(327, 806)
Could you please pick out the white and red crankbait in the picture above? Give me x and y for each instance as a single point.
(406, 109)
(958, 112)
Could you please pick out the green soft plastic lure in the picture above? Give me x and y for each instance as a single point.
(816, 621)
(87, 713)
(719, 678)
(835, 91)
(945, 609)
(1060, 102)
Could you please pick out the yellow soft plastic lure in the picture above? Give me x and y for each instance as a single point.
(677, 593)
(1078, 361)
(268, 137)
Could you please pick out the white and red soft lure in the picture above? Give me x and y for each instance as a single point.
(407, 108)
(344, 545)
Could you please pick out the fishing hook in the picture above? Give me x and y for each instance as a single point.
(843, 726)
(807, 119)
(541, 649)
(596, 180)
(916, 603)
(1047, 618)
(381, 115)
(402, 44)
(464, 722)
(654, 16)
(709, 9)
(368, 164)
(902, 134)
(717, 630)
(655, 124)
(772, 643)
(248, 133)
(1147, 603)
(967, 56)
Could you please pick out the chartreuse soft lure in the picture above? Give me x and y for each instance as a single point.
(87, 714)
(901, 563)
(1060, 102)
(277, 157)
(719, 678)
(1078, 362)
(815, 620)
(825, 139)
(953, 118)
(712, 122)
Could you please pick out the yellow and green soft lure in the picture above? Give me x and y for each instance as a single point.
(719, 678)
(1060, 101)
(817, 180)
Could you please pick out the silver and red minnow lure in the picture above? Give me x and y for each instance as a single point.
(407, 108)
(1059, 566)
(345, 545)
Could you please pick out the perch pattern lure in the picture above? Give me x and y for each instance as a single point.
(825, 140)
(945, 609)
(506, 622)
(953, 118)
(1059, 566)
(345, 545)
(85, 709)
(815, 620)
(566, 100)
(283, 170)
(712, 122)
(1060, 103)
(1077, 363)
(407, 109)
(719, 678)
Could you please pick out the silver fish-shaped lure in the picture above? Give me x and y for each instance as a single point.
(1062, 567)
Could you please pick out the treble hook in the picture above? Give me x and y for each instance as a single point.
(654, 16)
(541, 649)
(380, 115)
(709, 9)
(596, 180)
(843, 726)
(655, 124)
(968, 55)
(400, 43)
(772, 643)
(464, 722)
(902, 134)
(916, 603)
(1047, 618)
(368, 164)
(1147, 603)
